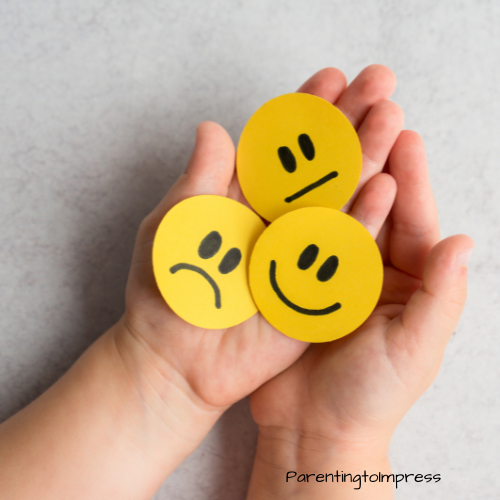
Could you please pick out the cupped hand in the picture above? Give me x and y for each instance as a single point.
(218, 367)
(355, 390)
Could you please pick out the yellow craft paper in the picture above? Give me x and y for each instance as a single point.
(187, 281)
(355, 285)
(278, 124)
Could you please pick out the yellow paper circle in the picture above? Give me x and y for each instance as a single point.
(296, 151)
(316, 274)
(201, 253)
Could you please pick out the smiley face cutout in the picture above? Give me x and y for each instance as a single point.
(297, 151)
(201, 254)
(316, 274)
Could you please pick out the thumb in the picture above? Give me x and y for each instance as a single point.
(433, 312)
(209, 171)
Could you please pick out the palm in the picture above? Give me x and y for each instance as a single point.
(341, 384)
(221, 366)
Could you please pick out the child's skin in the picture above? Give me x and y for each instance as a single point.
(143, 396)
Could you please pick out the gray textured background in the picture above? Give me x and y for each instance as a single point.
(99, 101)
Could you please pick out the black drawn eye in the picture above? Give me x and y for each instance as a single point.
(230, 261)
(306, 146)
(328, 268)
(307, 257)
(210, 245)
(287, 159)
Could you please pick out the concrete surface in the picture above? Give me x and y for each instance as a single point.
(99, 101)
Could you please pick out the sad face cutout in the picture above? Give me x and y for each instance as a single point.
(316, 274)
(201, 254)
(297, 151)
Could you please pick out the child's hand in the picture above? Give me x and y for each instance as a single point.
(338, 405)
(216, 368)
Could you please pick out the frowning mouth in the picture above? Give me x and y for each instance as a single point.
(312, 186)
(290, 304)
(199, 270)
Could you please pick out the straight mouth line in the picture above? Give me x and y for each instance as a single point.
(312, 186)
(199, 270)
(290, 304)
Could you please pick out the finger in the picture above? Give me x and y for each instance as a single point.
(375, 83)
(383, 239)
(432, 314)
(377, 135)
(235, 193)
(374, 203)
(328, 83)
(209, 171)
(415, 227)
(398, 287)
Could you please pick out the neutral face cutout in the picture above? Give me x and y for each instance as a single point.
(297, 150)
(289, 163)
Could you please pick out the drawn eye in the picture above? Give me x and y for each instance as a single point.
(308, 257)
(287, 159)
(210, 245)
(230, 261)
(306, 146)
(328, 268)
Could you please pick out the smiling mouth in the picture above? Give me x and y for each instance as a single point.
(199, 270)
(290, 304)
(314, 185)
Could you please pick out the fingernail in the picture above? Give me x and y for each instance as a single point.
(463, 257)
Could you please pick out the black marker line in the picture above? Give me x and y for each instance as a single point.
(199, 270)
(291, 305)
(312, 186)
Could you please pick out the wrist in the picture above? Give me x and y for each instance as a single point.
(290, 464)
(112, 430)
(175, 420)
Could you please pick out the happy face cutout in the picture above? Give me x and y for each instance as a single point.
(201, 254)
(297, 151)
(316, 274)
